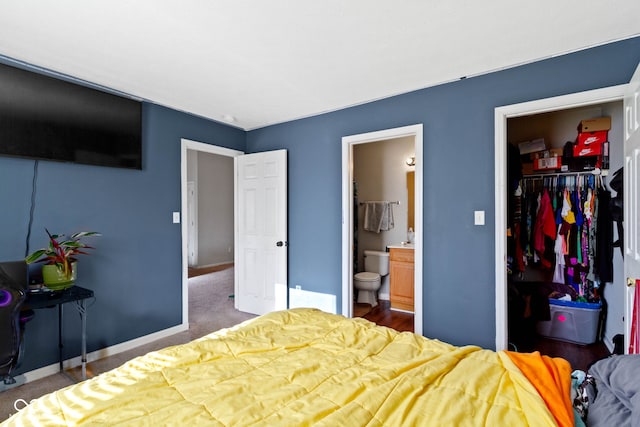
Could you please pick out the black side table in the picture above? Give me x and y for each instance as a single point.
(46, 299)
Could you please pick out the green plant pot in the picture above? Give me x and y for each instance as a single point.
(55, 279)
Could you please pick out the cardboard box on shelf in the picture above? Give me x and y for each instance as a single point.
(527, 168)
(586, 138)
(581, 150)
(594, 125)
(532, 146)
(552, 152)
(547, 163)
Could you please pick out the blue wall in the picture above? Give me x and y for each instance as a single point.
(135, 269)
(458, 119)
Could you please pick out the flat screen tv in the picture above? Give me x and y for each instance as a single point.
(43, 117)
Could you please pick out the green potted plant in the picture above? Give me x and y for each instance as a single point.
(59, 271)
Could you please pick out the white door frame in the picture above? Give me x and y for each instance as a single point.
(186, 144)
(574, 100)
(192, 222)
(348, 142)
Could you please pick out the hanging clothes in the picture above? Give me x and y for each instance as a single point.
(545, 230)
(558, 247)
(604, 238)
(565, 228)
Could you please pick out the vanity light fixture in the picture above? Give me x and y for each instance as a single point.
(411, 161)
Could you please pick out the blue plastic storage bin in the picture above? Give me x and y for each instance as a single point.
(571, 321)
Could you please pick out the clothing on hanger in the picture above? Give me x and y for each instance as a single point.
(559, 229)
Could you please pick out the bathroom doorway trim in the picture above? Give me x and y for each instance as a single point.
(348, 143)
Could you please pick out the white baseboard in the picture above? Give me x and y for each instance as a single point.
(401, 310)
(212, 265)
(74, 362)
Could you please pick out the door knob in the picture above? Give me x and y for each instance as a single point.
(281, 243)
(630, 282)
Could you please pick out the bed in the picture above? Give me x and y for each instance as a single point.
(609, 393)
(305, 367)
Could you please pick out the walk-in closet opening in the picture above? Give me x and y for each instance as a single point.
(564, 289)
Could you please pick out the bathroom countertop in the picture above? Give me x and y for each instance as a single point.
(401, 245)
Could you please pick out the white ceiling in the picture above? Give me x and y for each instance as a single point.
(265, 62)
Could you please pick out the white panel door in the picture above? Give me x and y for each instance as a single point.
(261, 227)
(631, 208)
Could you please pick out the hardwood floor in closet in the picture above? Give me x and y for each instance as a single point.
(579, 356)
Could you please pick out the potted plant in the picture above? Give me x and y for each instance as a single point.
(59, 271)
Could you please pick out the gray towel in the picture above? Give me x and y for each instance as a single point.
(378, 216)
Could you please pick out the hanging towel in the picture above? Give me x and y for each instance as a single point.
(378, 216)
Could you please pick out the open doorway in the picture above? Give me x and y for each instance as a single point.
(213, 245)
(210, 211)
(351, 242)
(557, 118)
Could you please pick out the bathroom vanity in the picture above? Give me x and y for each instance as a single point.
(401, 276)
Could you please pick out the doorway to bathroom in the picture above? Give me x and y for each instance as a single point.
(383, 166)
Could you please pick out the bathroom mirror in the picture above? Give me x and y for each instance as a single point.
(410, 199)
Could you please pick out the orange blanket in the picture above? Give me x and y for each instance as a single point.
(552, 378)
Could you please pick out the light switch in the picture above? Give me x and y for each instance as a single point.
(176, 217)
(478, 217)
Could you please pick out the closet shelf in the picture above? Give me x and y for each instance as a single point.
(602, 172)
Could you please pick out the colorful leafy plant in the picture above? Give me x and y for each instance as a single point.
(62, 252)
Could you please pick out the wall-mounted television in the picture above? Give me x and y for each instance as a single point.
(43, 117)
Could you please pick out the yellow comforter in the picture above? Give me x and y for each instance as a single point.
(302, 367)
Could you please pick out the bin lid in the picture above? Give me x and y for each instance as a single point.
(576, 304)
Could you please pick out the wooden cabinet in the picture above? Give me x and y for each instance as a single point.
(401, 279)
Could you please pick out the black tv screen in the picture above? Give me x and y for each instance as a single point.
(42, 117)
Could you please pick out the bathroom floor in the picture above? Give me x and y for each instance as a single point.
(360, 309)
(383, 315)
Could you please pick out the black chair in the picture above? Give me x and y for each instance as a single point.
(12, 296)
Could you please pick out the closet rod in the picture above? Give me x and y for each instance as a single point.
(556, 174)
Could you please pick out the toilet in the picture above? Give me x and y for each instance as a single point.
(367, 283)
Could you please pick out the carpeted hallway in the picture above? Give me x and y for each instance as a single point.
(210, 309)
(211, 303)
